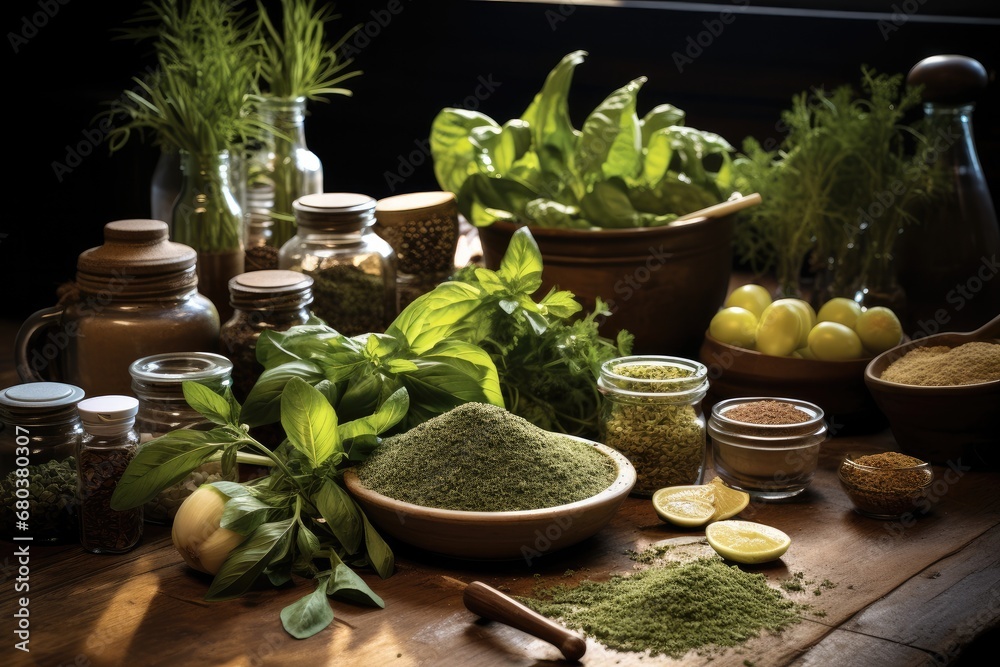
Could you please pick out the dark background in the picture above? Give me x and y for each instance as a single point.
(429, 55)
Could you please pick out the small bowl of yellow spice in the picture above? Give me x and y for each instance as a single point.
(940, 395)
(886, 485)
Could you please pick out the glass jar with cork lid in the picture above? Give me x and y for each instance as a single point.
(353, 269)
(423, 229)
(652, 414)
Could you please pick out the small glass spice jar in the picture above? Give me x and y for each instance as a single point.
(768, 447)
(274, 300)
(39, 430)
(652, 414)
(423, 230)
(108, 444)
(157, 381)
(353, 269)
(261, 251)
(888, 485)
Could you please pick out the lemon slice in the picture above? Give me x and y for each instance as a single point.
(701, 493)
(746, 541)
(688, 513)
(728, 501)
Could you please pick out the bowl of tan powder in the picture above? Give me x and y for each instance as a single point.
(940, 396)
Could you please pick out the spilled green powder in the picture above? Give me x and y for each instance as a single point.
(671, 608)
(482, 458)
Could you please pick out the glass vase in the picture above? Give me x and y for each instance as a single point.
(283, 162)
(208, 218)
(165, 184)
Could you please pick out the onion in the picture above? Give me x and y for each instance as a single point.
(196, 532)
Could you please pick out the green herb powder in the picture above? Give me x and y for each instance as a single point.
(671, 608)
(482, 458)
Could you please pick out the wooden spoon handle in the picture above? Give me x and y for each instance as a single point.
(719, 210)
(989, 330)
(490, 603)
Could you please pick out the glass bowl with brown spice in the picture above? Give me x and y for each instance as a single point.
(886, 485)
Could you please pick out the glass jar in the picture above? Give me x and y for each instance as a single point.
(652, 414)
(108, 444)
(260, 252)
(262, 301)
(353, 269)
(134, 296)
(769, 458)
(39, 430)
(208, 217)
(157, 381)
(283, 162)
(423, 230)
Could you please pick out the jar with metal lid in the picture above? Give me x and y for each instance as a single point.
(134, 296)
(652, 414)
(423, 230)
(353, 269)
(108, 444)
(157, 381)
(39, 430)
(274, 300)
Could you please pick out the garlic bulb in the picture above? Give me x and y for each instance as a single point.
(196, 533)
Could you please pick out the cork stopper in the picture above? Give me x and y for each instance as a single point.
(949, 79)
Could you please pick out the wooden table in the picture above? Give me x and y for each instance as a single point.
(907, 593)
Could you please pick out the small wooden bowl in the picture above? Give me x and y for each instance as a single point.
(838, 387)
(526, 534)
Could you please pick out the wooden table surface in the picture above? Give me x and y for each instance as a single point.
(906, 593)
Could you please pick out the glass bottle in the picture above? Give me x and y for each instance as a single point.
(284, 162)
(274, 300)
(261, 253)
(207, 217)
(652, 414)
(353, 269)
(949, 255)
(423, 230)
(39, 430)
(135, 295)
(157, 382)
(109, 442)
(165, 184)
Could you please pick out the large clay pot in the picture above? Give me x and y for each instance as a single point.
(663, 284)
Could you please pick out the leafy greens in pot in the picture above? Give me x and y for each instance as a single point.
(617, 171)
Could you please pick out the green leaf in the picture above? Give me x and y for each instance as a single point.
(309, 614)
(659, 117)
(360, 447)
(243, 514)
(490, 281)
(549, 213)
(207, 403)
(231, 489)
(378, 553)
(453, 154)
(247, 561)
(309, 420)
(390, 413)
(464, 359)
(521, 265)
(345, 584)
(341, 514)
(307, 545)
(263, 405)
(165, 461)
(548, 113)
(499, 149)
(560, 303)
(608, 205)
(436, 315)
(397, 366)
(611, 142)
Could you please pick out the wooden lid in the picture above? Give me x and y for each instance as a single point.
(400, 208)
(949, 79)
(138, 247)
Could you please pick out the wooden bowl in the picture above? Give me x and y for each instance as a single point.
(942, 425)
(526, 534)
(838, 387)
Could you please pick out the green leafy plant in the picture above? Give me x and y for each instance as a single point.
(481, 337)
(298, 520)
(838, 189)
(618, 171)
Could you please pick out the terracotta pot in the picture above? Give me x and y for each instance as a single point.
(663, 284)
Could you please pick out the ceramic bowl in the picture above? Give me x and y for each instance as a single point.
(884, 493)
(942, 425)
(838, 387)
(526, 534)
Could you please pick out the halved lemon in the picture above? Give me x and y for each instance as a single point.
(688, 513)
(728, 501)
(746, 541)
(702, 493)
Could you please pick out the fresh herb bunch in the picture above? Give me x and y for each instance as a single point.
(824, 189)
(298, 520)
(297, 59)
(618, 171)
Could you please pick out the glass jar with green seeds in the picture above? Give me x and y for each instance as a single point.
(652, 414)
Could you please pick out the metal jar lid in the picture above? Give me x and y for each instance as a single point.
(39, 401)
(336, 212)
(270, 288)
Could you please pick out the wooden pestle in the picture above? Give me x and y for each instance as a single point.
(490, 603)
